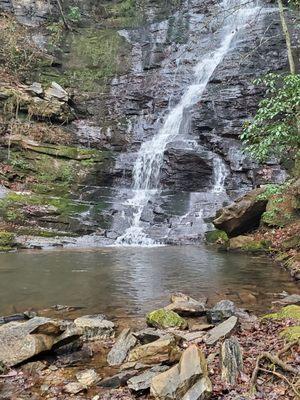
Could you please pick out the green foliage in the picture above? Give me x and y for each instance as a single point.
(216, 236)
(74, 14)
(6, 238)
(274, 130)
(271, 190)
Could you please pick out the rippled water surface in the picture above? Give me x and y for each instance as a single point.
(132, 281)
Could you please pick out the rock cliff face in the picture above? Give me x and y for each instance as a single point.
(128, 68)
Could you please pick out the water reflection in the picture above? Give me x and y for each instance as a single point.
(120, 281)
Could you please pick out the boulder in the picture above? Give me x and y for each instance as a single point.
(36, 88)
(247, 243)
(186, 306)
(231, 360)
(88, 377)
(126, 341)
(221, 331)
(243, 215)
(143, 381)
(163, 319)
(162, 350)
(186, 380)
(57, 92)
(95, 326)
(221, 311)
(20, 341)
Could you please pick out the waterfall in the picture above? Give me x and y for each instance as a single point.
(220, 174)
(146, 170)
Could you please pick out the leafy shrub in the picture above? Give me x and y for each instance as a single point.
(274, 130)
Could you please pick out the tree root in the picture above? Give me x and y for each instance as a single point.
(274, 359)
(293, 387)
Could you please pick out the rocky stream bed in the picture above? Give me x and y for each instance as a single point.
(185, 350)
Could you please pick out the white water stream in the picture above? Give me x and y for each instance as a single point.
(146, 172)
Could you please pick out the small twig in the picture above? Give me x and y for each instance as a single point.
(283, 378)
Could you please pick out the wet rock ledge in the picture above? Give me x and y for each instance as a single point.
(185, 351)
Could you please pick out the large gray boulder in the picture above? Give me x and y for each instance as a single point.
(19, 341)
(243, 215)
(187, 380)
(126, 341)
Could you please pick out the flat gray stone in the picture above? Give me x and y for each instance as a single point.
(125, 342)
(95, 326)
(221, 331)
(143, 381)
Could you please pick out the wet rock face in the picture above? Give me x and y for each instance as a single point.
(127, 99)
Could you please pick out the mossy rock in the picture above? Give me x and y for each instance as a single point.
(288, 312)
(163, 319)
(6, 238)
(291, 333)
(216, 236)
(7, 241)
(248, 244)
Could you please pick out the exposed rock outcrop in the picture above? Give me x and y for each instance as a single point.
(242, 215)
(19, 341)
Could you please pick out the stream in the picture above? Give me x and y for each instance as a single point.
(128, 282)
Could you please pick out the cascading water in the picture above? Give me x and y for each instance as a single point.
(146, 171)
(220, 174)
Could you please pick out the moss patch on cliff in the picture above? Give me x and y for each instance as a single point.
(18, 55)
(94, 56)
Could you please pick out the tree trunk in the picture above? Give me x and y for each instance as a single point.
(287, 37)
(65, 22)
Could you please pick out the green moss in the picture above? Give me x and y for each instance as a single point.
(63, 206)
(163, 319)
(5, 248)
(69, 152)
(94, 56)
(46, 233)
(291, 333)
(6, 238)
(216, 236)
(256, 246)
(291, 312)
